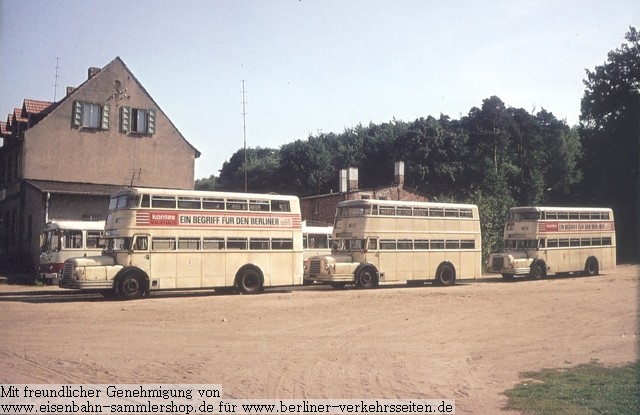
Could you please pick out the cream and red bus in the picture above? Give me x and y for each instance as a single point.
(540, 241)
(157, 239)
(380, 241)
(64, 239)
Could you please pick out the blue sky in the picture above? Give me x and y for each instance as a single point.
(312, 65)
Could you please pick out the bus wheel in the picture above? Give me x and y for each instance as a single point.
(507, 277)
(591, 267)
(537, 270)
(366, 278)
(445, 275)
(250, 281)
(131, 286)
(337, 285)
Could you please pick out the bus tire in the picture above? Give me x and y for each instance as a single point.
(338, 285)
(538, 270)
(507, 277)
(131, 286)
(446, 274)
(367, 278)
(249, 281)
(591, 267)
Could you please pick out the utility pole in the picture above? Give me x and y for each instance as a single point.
(244, 133)
(55, 85)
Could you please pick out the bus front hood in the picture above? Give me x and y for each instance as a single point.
(93, 261)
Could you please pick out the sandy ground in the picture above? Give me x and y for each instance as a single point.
(469, 342)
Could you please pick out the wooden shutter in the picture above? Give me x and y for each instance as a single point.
(77, 114)
(106, 108)
(151, 121)
(125, 119)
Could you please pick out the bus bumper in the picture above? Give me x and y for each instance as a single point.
(329, 278)
(70, 283)
(50, 277)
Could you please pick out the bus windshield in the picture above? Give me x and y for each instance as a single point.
(353, 211)
(522, 216)
(351, 244)
(523, 244)
(118, 244)
(123, 201)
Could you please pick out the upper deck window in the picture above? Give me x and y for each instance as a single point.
(209, 203)
(280, 206)
(124, 201)
(353, 211)
(523, 216)
(166, 202)
(189, 203)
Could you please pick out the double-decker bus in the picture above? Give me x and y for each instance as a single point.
(159, 239)
(380, 240)
(64, 239)
(550, 240)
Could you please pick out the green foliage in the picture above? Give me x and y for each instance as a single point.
(206, 184)
(610, 133)
(585, 389)
(496, 156)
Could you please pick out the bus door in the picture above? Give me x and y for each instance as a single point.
(384, 257)
(141, 255)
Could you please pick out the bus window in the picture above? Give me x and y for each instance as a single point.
(189, 203)
(164, 202)
(236, 204)
(93, 239)
(73, 239)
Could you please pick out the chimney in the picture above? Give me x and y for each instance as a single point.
(70, 90)
(352, 178)
(348, 180)
(93, 72)
(398, 175)
(342, 181)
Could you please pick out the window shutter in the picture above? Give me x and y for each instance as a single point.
(77, 114)
(151, 121)
(106, 108)
(125, 119)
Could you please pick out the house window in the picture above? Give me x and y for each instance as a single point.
(137, 120)
(91, 115)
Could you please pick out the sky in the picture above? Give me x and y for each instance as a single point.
(312, 66)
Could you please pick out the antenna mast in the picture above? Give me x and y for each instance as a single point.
(55, 85)
(244, 133)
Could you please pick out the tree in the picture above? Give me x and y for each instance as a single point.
(610, 132)
(206, 183)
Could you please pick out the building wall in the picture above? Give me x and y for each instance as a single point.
(56, 150)
(321, 209)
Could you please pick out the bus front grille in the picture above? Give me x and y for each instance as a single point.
(314, 266)
(67, 272)
(497, 263)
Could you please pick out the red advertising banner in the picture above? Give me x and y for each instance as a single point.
(206, 219)
(576, 226)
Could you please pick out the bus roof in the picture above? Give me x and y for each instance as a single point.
(558, 209)
(381, 202)
(75, 224)
(202, 193)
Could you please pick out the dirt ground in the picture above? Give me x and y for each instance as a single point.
(468, 342)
